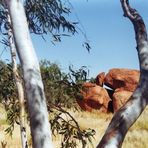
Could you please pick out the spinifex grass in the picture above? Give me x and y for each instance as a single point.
(137, 137)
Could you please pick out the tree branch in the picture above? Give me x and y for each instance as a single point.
(136, 19)
(129, 113)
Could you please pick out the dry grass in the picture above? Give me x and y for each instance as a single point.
(137, 136)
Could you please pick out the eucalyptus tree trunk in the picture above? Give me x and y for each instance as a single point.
(19, 85)
(40, 127)
(129, 113)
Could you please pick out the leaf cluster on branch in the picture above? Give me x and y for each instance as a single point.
(44, 17)
(64, 124)
(62, 89)
(48, 16)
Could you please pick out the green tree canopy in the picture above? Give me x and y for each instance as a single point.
(44, 17)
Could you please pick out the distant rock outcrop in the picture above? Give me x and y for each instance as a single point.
(119, 98)
(100, 79)
(123, 79)
(94, 97)
(122, 83)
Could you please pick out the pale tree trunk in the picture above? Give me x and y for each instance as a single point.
(19, 85)
(129, 113)
(38, 114)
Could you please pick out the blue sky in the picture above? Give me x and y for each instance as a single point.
(111, 36)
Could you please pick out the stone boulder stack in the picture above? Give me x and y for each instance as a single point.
(123, 82)
(120, 85)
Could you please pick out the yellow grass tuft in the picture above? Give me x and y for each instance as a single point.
(137, 137)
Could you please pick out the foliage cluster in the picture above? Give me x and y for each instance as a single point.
(44, 17)
(61, 90)
(64, 124)
(48, 16)
(8, 95)
(7, 87)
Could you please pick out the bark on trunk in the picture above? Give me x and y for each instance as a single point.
(19, 86)
(40, 128)
(129, 113)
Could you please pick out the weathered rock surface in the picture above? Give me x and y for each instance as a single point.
(93, 97)
(100, 79)
(120, 98)
(122, 83)
(122, 79)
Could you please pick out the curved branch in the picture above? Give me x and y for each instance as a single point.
(129, 113)
(136, 19)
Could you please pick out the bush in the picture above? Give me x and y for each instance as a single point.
(61, 90)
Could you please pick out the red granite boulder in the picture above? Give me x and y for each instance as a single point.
(100, 79)
(122, 79)
(93, 97)
(120, 98)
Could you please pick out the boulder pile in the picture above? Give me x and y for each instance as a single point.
(110, 91)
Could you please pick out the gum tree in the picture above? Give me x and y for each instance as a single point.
(40, 17)
(129, 113)
(40, 128)
(19, 85)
